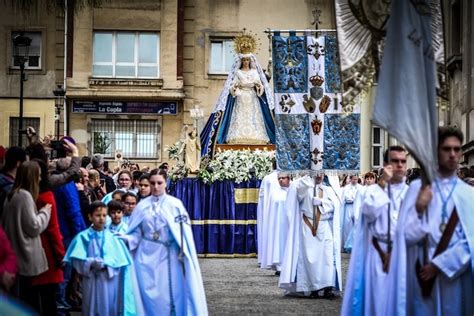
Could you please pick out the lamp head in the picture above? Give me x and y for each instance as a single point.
(21, 47)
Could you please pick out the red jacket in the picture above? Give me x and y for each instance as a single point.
(52, 242)
(7, 255)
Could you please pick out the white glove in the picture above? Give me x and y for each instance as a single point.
(97, 264)
(317, 201)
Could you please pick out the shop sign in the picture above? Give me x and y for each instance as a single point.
(120, 107)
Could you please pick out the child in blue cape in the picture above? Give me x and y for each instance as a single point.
(104, 263)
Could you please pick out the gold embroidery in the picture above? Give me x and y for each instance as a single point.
(242, 196)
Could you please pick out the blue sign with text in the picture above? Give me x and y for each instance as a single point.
(119, 107)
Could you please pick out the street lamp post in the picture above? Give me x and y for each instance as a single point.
(21, 46)
(59, 94)
(196, 113)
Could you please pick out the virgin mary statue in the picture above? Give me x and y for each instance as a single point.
(242, 114)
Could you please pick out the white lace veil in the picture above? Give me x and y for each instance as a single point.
(222, 100)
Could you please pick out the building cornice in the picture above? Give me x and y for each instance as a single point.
(126, 93)
(113, 82)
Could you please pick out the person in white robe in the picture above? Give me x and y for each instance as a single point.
(312, 259)
(366, 282)
(269, 182)
(347, 210)
(426, 213)
(277, 225)
(167, 268)
(369, 179)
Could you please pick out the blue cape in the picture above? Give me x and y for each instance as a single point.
(115, 255)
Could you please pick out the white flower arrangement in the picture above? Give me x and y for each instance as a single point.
(234, 165)
(237, 165)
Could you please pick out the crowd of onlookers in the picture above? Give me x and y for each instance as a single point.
(44, 204)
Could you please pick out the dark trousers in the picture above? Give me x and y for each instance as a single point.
(47, 298)
(61, 293)
(25, 292)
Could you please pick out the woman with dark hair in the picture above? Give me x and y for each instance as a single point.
(23, 224)
(144, 187)
(135, 180)
(167, 268)
(51, 239)
(130, 200)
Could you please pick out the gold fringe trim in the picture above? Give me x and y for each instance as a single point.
(234, 255)
(224, 222)
(244, 196)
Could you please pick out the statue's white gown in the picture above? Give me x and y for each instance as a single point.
(246, 125)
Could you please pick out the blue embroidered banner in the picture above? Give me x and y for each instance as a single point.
(328, 139)
(341, 141)
(332, 69)
(290, 64)
(292, 142)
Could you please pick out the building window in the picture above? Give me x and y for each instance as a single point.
(134, 138)
(221, 56)
(34, 53)
(377, 146)
(15, 126)
(126, 55)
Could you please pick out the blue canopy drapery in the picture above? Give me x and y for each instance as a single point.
(217, 127)
(220, 225)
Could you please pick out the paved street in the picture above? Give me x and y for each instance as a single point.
(238, 286)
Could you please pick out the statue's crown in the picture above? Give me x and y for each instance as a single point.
(245, 42)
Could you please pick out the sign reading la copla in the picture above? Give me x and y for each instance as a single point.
(125, 107)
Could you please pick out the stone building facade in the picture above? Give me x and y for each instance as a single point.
(43, 71)
(127, 59)
(459, 37)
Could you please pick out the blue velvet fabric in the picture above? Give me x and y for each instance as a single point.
(208, 134)
(216, 202)
(224, 126)
(217, 127)
(267, 118)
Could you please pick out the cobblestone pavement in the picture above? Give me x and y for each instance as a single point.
(239, 287)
